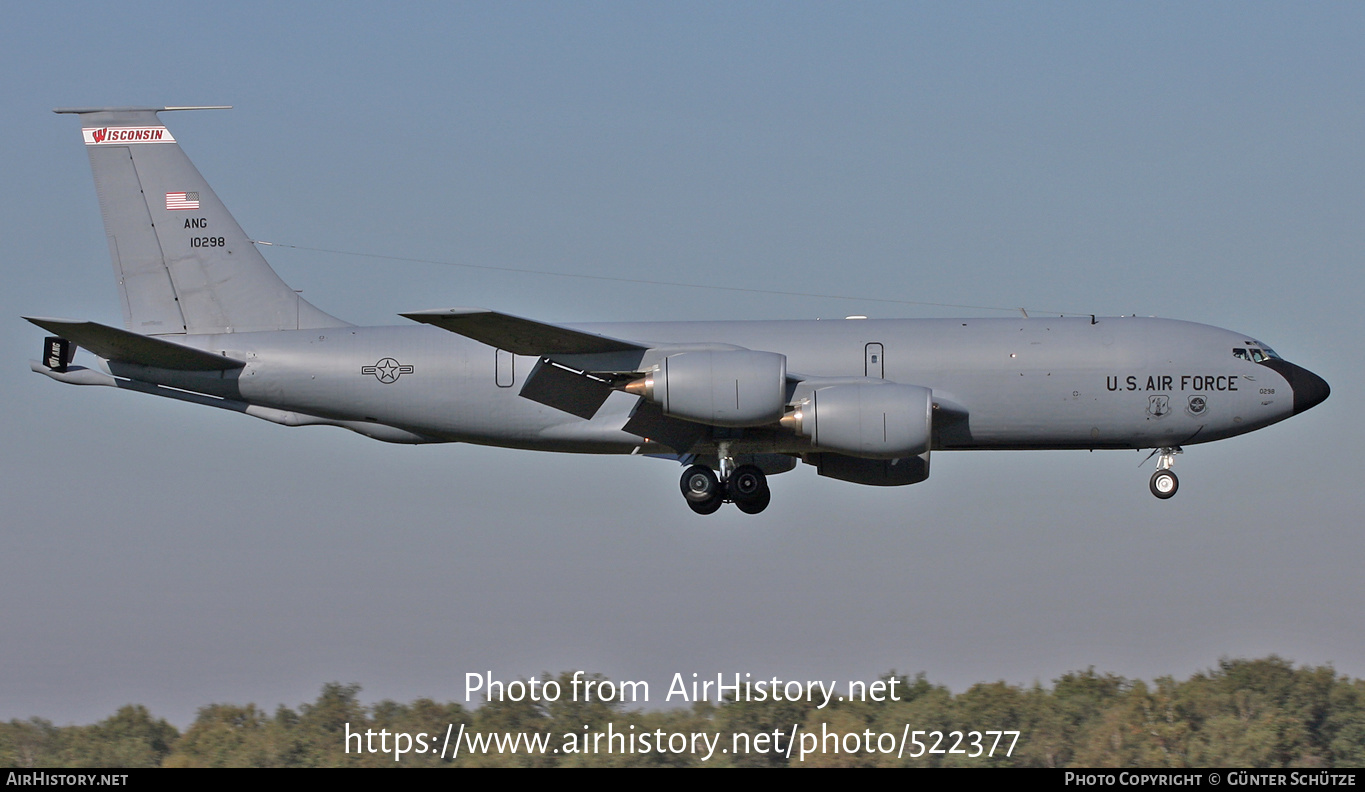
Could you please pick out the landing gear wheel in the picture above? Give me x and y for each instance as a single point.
(755, 504)
(748, 488)
(701, 488)
(1164, 484)
(747, 482)
(706, 507)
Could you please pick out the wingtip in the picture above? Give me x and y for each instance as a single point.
(45, 322)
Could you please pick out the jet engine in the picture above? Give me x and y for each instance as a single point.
(738, 387)
(867, 421)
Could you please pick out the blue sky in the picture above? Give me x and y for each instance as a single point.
(1200, 162)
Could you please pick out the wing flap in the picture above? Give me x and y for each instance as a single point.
(520, 336)
(111, 343)
(576, 393)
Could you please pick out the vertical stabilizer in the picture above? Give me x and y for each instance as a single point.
(182, 263)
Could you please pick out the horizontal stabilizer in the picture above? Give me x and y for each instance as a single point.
(85, 110)
(520, 336)
(111, 343)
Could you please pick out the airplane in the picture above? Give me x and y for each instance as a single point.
(206, 320)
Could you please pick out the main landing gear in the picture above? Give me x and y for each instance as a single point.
(745, 486)
(1164, 482)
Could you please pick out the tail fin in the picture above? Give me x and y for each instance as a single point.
(183, 264)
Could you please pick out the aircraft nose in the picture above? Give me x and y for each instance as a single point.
(1310, 390)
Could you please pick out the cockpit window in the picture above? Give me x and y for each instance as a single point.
(1254, 354)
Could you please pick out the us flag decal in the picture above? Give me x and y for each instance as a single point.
(184, 200)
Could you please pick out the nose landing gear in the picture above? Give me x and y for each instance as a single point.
(1164, 482)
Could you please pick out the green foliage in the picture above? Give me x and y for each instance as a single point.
(129, 738)
(1243, 713)
(28, 743)
(225, 735)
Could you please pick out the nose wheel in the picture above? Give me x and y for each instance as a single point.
(746, 487)
(1164, 482)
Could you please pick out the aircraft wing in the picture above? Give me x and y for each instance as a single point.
(577, 371)
(521, 336)
(112, 343)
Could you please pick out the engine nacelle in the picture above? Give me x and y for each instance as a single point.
(723, 388)
(867, 421)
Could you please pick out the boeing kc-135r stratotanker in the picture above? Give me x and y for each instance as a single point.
(207, 320)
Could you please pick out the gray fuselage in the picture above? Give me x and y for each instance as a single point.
(1063, 383)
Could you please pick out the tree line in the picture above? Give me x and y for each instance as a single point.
(1244, 713)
